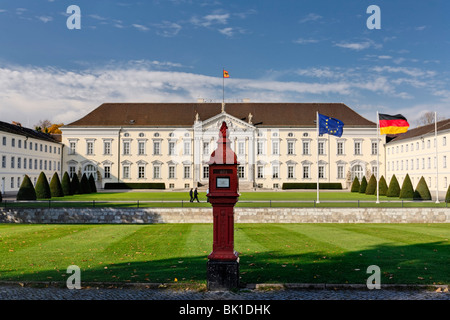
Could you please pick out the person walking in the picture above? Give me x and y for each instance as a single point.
(191, 195)
(195, 195)
(207, 192)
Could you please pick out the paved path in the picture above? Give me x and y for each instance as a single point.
(16, 292)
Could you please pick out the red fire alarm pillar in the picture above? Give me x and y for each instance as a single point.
(223, 264)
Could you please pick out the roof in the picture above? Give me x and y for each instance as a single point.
(184, 114)
(423, 130)
(30, 133)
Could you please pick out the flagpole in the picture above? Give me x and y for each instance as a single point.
(317, 126)
(378, 158)
(223, 85)
(437, 161)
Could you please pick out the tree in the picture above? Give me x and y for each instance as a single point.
(75, 184)
(355, 185)
(382, 186)
(56, 187)
(84, 185)
(65, 184)
(363, 185)
(422, 192)
(54, 128)
(42, 187)
(92, 184)
(26, 190)
(428, 118)
(407, 191)
(394, 187)
(372, 185)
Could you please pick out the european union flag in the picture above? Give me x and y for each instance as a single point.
(330, 125)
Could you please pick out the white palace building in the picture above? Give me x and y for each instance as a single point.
(172, 142)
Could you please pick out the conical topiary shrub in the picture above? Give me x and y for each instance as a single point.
(447, 196)
(382, 186)
(85, 188)
(372, 185)
(407, 191)
(75, 184)
(26, 190)
(92, 184)
(42, 187)
(65, 184)
(355, 185)
(394, 187)
(56, 187)
(363, 185)
(422, 192)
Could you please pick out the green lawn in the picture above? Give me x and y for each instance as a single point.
(269, 253)
(247, 199)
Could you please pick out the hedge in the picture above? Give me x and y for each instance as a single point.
(85, 187)
(26, 190)
(42, 187)
(135, 185)
(422, 192)
(66, 185)
(447, 196)
(407, 191)
(355, 185)
(75, 184)
(56, 187)
(311, 185)
(372, 185)
(394, 187)
(92, 184)
(382, 186)
(363, 185)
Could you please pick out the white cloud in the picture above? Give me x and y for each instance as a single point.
(45, 19)
(305, 41)
(311, 17)
(140, 27)
(355, 45)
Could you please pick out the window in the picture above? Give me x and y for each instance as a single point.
(305, 172)
(444, 141)
(156, 147)
(71, 171)
(171, 185)
(141, 134)
(40, 164)
(290, 134)
(156, 172)
(260, 172)
(72, 147)
(4, 141)
(444, 161)
(3, 161)
(375, 148)
(126, 147)
(260, 147)
(171, 148)
(13, 144)
(290, 172)
(340, 172)
(40, 147)
(357, 171)
(206, 172)
(126, 172)
(18, 181)
(205, 148)
(187, 172)
(305, 147)
(429, 163)
(275, 171)
(19, 143)
(90, 148)
(35, 164)
(107, 173)
(171, 172)
(321, 172)
(45, 148)
(241, 148)
(241, 172)
(13, 160)
(107, 147)
(90, 170)
(50, 165)
(358, 148)
(321, 148)
(187, 148)
(275, 149)
(428, 143)
(290, 147)
(340, 148)
(12, 182)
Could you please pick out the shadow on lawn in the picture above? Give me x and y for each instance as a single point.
(409, 264)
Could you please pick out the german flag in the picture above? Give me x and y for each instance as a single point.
(392, 124)
(226, 74)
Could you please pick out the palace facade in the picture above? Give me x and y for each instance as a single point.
(172, 143)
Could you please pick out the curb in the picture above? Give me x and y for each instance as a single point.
(202, 287)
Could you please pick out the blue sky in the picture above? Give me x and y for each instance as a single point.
(174, 50)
